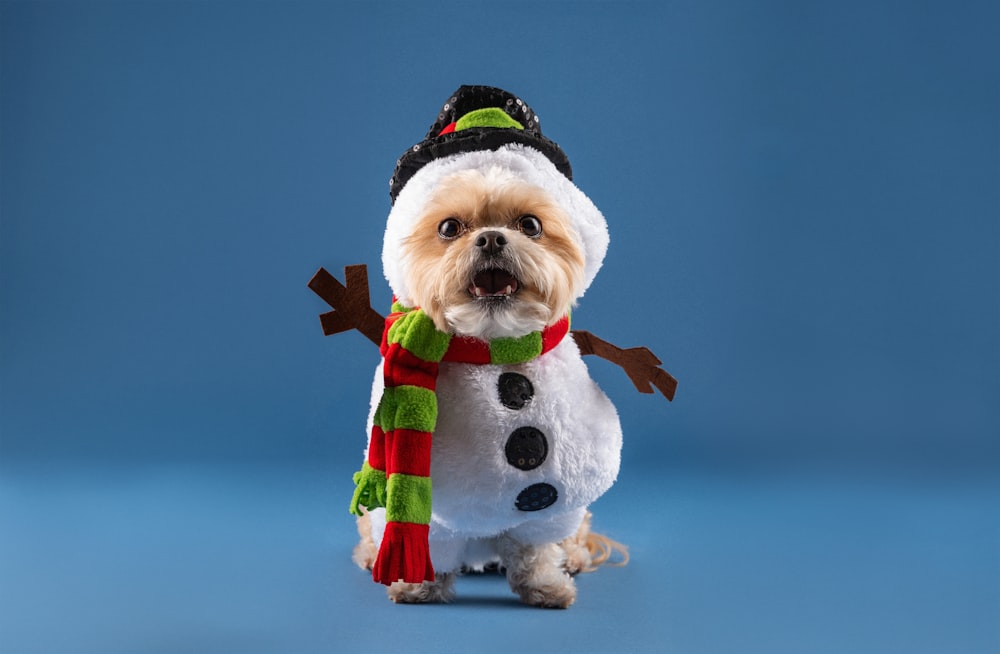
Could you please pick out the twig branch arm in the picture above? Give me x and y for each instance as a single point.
(351, 303)
(639, 363)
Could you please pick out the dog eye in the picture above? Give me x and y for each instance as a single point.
(530, 226)
(449, 228)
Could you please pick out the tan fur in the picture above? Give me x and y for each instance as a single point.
(586, 551)
(549, 268)
(441, 590)
(365, 551)
(537, 573)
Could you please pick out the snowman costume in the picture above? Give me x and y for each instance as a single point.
(521, 440)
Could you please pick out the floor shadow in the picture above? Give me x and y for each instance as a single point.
(485, 601)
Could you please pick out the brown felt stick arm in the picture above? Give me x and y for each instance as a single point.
(641, 365)
(351, 303)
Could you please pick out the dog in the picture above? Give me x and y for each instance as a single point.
(488, 246)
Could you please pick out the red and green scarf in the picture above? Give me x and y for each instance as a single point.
(397, 474)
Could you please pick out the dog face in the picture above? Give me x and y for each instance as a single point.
(492, 256)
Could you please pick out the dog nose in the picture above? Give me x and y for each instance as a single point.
(491, 242)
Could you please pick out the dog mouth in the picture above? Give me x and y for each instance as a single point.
(493, 284)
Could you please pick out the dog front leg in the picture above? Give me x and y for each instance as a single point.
(441, 590)
(536, 573)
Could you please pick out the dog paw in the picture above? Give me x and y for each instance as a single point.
(365, 551)
(441, 590)
(364, 555)
(536, 573)
(557, 592)
(585, 550)
(578, 557)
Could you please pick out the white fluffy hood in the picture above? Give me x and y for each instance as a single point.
(590, 228)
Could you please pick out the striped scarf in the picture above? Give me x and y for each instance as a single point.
(397, 474)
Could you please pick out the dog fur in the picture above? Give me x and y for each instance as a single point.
(482, 221)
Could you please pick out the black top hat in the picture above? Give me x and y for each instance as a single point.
(477, 118)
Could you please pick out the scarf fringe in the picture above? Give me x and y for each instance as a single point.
(404, 555)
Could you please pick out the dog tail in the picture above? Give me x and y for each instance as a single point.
(586, 551)
(602, 549)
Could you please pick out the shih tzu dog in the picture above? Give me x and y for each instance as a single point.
(482, 388)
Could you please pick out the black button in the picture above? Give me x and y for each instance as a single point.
(526, 448)
(536, 497)
(515, 390)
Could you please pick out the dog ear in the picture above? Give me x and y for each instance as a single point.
(351, 303)
(639, 363)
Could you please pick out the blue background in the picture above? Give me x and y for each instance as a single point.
(804, 202)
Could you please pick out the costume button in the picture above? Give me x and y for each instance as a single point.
(536, 497)
(515, 390)
(526, 448)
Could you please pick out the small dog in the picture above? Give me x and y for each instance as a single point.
(493, 256)
(487, 247)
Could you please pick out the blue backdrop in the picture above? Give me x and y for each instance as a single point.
(804, 203)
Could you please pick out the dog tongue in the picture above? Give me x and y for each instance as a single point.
(494, 282)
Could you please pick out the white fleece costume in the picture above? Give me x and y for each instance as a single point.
(518, 450)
